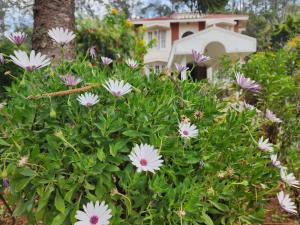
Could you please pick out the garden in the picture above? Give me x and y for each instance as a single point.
(95, 140)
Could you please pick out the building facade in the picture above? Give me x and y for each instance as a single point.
(213, 35)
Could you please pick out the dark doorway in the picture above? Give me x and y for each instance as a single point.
(198, 73)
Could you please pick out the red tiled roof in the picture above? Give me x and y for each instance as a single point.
(207, 16)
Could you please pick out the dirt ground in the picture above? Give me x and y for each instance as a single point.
(275, 216)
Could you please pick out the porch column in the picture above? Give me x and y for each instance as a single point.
(183, 73)
(210, 74)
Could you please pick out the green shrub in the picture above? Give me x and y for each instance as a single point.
(78, 154)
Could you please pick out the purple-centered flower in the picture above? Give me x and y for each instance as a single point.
(5, 183)
(272, 117)
(117, 88)
(30, 62)
(132, 63)
(2, 61)
(180, 68)
(106, 60)
(17, 38)
(92, 51)
(70, 80)
(198, 57)
(247, 83)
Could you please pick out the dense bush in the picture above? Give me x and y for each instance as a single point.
(78, 154)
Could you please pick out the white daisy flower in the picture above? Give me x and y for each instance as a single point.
(92, 51)
(17, 38)
(31, 62)
(187, 130)
(272, 117)
(117, 88)
(276, 162)
(98, 214)
(132, 63)
(106, 60)
(286, 203)
(88, 99)
(264, 145)
(70, 80)
(247, 83)
(61, 36)
(145, 158)
(290, 178)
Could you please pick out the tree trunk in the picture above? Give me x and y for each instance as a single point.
(50, 14)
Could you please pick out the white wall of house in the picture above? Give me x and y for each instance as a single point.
(184, 27)
(158, 52)
(220, 29)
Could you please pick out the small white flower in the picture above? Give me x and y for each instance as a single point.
(132, 63)
(181, 68)
(92, 51)
(286, 203)
(98, 214)
(23, 161)
(276, 162)
(187, 130)
(290, 178)
(61, 36)
(264, 145)
(88, 99)
(70, 80)
(17, 38)
(272, 117)
(30, 63)
(247, 83)
(117, 88)
(106, 60)
(145, 158)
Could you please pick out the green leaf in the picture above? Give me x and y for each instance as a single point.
(100, 154)
(43, 201)
(69, 195)
(133, 133)
(112, 168)
(59, 219)
(206, 219)
(220, 206)
(25, 171)
(21, 208)
(3, 143)
(22, 183)
(59, 203)
(88, 186)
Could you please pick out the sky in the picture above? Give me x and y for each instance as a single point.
(15, 17)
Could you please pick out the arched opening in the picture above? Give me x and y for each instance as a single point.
(215, 50)
(185, 34)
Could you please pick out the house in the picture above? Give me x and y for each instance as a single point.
(213, 35)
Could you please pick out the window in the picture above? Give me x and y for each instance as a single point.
(187, 34)
(149, 36)
(160, 36)
(158, 68)
(163, 39)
